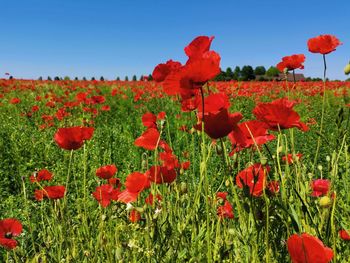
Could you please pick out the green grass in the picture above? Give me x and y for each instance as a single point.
(185, 227)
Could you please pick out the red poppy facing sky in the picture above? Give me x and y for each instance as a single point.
(9, 228)
(305, 248)
(291, 62)
(323, 44)
(198, 47)
(73, 138)
(279, 114)
(161, 71)
(107, 171)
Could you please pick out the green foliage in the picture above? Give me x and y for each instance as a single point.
(247, 73)
(260, 70)
(184, 226)
(272, 72)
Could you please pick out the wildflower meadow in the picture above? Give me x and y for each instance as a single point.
(180, 168)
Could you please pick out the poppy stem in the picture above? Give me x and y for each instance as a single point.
(325, 68)
(294, 77)
(323, 111)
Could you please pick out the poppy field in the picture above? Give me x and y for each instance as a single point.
(177, 169)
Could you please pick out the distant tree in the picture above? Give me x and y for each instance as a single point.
(40, 78)
(141, 78)
(102, 78)
(134, 78)
(118, 78)
(11, 77)
(229, 75)
(259, 71)
(84, 79)
(66, 78)
(76, 78)
(93, 78)
(49, 78)
(237, 73)
(150, 77)
(272, 72)
(57, 78)
(347, 79)
(221, 76)
(126, 78)
(247, 73)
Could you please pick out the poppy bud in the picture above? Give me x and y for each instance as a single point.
(325, 201)
(183, 188)
(234, 157)
(347, 69)
(218, 149)
(263, 160)
(319, 167)
(227, 183)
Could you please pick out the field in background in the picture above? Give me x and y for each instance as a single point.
(187, 224)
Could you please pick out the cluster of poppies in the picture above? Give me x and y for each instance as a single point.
(188, 82)
(323, 44)
(49, 192)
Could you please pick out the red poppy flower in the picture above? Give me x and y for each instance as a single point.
(320, 187)
(150, 199)
(161, 71)
(273, 187)
(214, 103)
(169, 160)
(9, 228)
(50, 192)
(279, 113)
(73, 138)
(291, 62)
(149, 120)
(135, 183)
(250, 133)
(42, 175)
(161, 115)
(134, 216)
(105, 108)
(254, 178)
(305, 248)
(198, 47)
(15, 100)
(161, 174)
(107, 171)
(105, 193)
(222, 195)
(185, 165)
(323, 44)
(290, 158)
(194, 74)
(149, 139)
(218, 125)
(225, 211)
(343, 234)
(97, 99)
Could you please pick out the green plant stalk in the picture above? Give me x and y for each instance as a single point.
(323, 112)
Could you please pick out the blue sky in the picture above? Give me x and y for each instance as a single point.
(118, 38)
